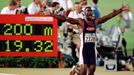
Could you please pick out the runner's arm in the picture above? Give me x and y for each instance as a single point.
(109, 16)
(67, 19)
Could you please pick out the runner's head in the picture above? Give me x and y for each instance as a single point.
(88, 13)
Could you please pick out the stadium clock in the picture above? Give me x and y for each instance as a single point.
(28, 35)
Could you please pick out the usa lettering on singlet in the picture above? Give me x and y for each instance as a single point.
(89, 33)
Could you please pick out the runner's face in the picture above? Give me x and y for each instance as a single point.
(88, 13)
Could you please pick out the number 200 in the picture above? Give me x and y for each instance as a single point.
(19, 27)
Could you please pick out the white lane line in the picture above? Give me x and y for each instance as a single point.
(7, 74)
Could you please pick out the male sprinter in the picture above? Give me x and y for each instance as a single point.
(88, 24)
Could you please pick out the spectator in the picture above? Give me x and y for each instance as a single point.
(97, 12)
(127, 17)
(75, 30)
(66, 4)
(21, 9)
(44, 3)
(84, 4)
(77, 12)
(11, 9)
(34, 7)
(57, 9)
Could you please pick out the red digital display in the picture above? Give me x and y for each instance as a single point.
(28, 35)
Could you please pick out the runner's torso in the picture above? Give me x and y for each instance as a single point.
(89, 33)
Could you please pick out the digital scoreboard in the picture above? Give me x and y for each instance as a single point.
(28, 35)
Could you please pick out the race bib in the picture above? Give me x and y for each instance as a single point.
(90, 37)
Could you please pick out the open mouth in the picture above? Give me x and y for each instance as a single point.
(89, 15)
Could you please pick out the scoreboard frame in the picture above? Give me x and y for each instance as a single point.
(30, 19)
